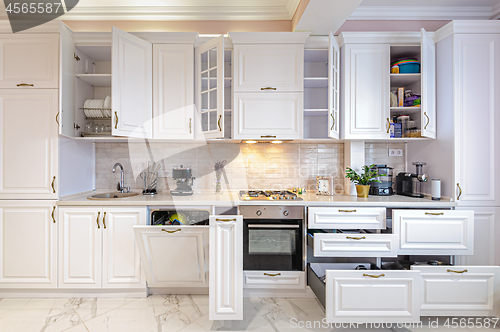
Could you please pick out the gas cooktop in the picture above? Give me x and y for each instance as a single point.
(268, 195)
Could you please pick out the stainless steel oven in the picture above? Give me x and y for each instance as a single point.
(273, 238)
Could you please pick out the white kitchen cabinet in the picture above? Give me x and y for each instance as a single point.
(274, 279)
(28, 254)
(29, 61)
(29, 140)
(333, 88)
(459, 290)
(226, 268)
(186, 266)
(346, 218)
(97, 247)
(173, 99)
(355, 245)
(428, 85)
(434, 232)
(268, 116)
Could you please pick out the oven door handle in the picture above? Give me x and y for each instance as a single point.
(272, 226)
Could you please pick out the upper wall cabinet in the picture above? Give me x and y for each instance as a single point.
(374, 96)
(29, 61)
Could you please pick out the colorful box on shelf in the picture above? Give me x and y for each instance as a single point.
(405, 66)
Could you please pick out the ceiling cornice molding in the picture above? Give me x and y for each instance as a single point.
(179, 13)
(496, 12)
(380, 37)
(292, 7)
(269, 37)
(399, 13)
(467, 27)
(49, 27)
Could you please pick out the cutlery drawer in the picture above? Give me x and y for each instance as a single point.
(354, 245)
(346, 218)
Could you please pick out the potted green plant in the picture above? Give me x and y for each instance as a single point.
(363, 180)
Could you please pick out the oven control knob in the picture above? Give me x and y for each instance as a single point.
(285, 213)
(259, 212)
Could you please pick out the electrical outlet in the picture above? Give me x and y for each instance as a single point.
(395, 152)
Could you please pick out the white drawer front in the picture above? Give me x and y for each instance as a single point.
(274, 279)
(434, 232)
(346, 218)
(355, 245)
(354, 297)
(470, 291)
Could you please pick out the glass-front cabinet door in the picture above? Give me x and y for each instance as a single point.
(210, 89)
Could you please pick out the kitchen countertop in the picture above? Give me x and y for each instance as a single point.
(231, 199)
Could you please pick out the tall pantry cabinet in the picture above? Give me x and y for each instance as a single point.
(29, 116)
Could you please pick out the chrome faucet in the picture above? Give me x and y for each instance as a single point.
(121, 185)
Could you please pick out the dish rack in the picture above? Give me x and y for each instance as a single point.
(96, 113)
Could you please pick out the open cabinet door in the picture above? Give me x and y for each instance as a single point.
(66, 116)
(132, 85)
(428, 52)
(333, 87)
(209, 95)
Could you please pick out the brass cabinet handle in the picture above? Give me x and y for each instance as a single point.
(435, 213)
(272, 274)
(349, 211)
(453, 271)
(116, 120)
(53, 188)
(97, 219)
(190, 125)
(428, 120)
(57, 118)
(333, 121)
(165, 230)
(104, 220)
(355, 238)
(268, 88)
(53, 218)
(373, 276)
(268, 136)
(225, 220)
(218, 122)
(459, 191)
(388, 125)
(25, 84)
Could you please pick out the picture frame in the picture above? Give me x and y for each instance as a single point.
(324, 185)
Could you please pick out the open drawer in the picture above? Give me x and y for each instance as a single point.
(366, 296)
(459, 290)
(346, 218)
(274, 279)
(434, 232)
(353, 245)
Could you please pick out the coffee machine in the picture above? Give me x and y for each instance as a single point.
(184, 180)
(409, 184)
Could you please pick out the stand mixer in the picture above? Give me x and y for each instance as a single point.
(184, 180)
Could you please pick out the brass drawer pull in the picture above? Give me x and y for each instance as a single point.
(25, 84)
(349, 211)
(57, 118)
(389, 125)
(53, 188)
(428, 120)
(177, 230)
(53, 218)
(333, 121)
(373, 276)
(457, 271)
(435, 213)
(190, 125)
(218, 122)
(97, 219)
(268, 88)
(459, 191)
(355, 238)
(116, 120)
(225, 220)
(268, 136)
(104, 220)
(272, 274)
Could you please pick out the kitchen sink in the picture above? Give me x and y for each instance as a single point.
(114, 195)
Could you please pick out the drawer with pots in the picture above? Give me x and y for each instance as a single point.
(353, 244)
(274, 279)
(434, 232)
(352, 295)
(346, 218)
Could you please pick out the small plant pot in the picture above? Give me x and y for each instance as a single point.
(362, 190)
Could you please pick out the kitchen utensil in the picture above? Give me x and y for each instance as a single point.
(184, 181)
(409, 184)
(383, 188)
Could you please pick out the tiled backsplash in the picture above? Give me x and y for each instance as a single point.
(249, 166)
(378, 153)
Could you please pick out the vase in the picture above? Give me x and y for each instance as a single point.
(218, 182)
(362, 190)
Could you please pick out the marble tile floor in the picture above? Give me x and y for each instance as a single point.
(170, 313)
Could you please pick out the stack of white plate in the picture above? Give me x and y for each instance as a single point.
(97, 108)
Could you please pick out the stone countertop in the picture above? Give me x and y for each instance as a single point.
(231, 198)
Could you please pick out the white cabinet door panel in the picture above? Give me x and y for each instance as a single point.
(28, 251)
(188, 267)
(372, 296)
(333, 87)
(80, 247)
(28, 144)
(226, 268)
(29, 59)
(274, 279)
(346, 218)
(121, 260)
(459, 290)
(173, 81)
(355, 245)
(132, 85)
(268, 116)
(428, 52)
(269, 68)
(434, 232)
